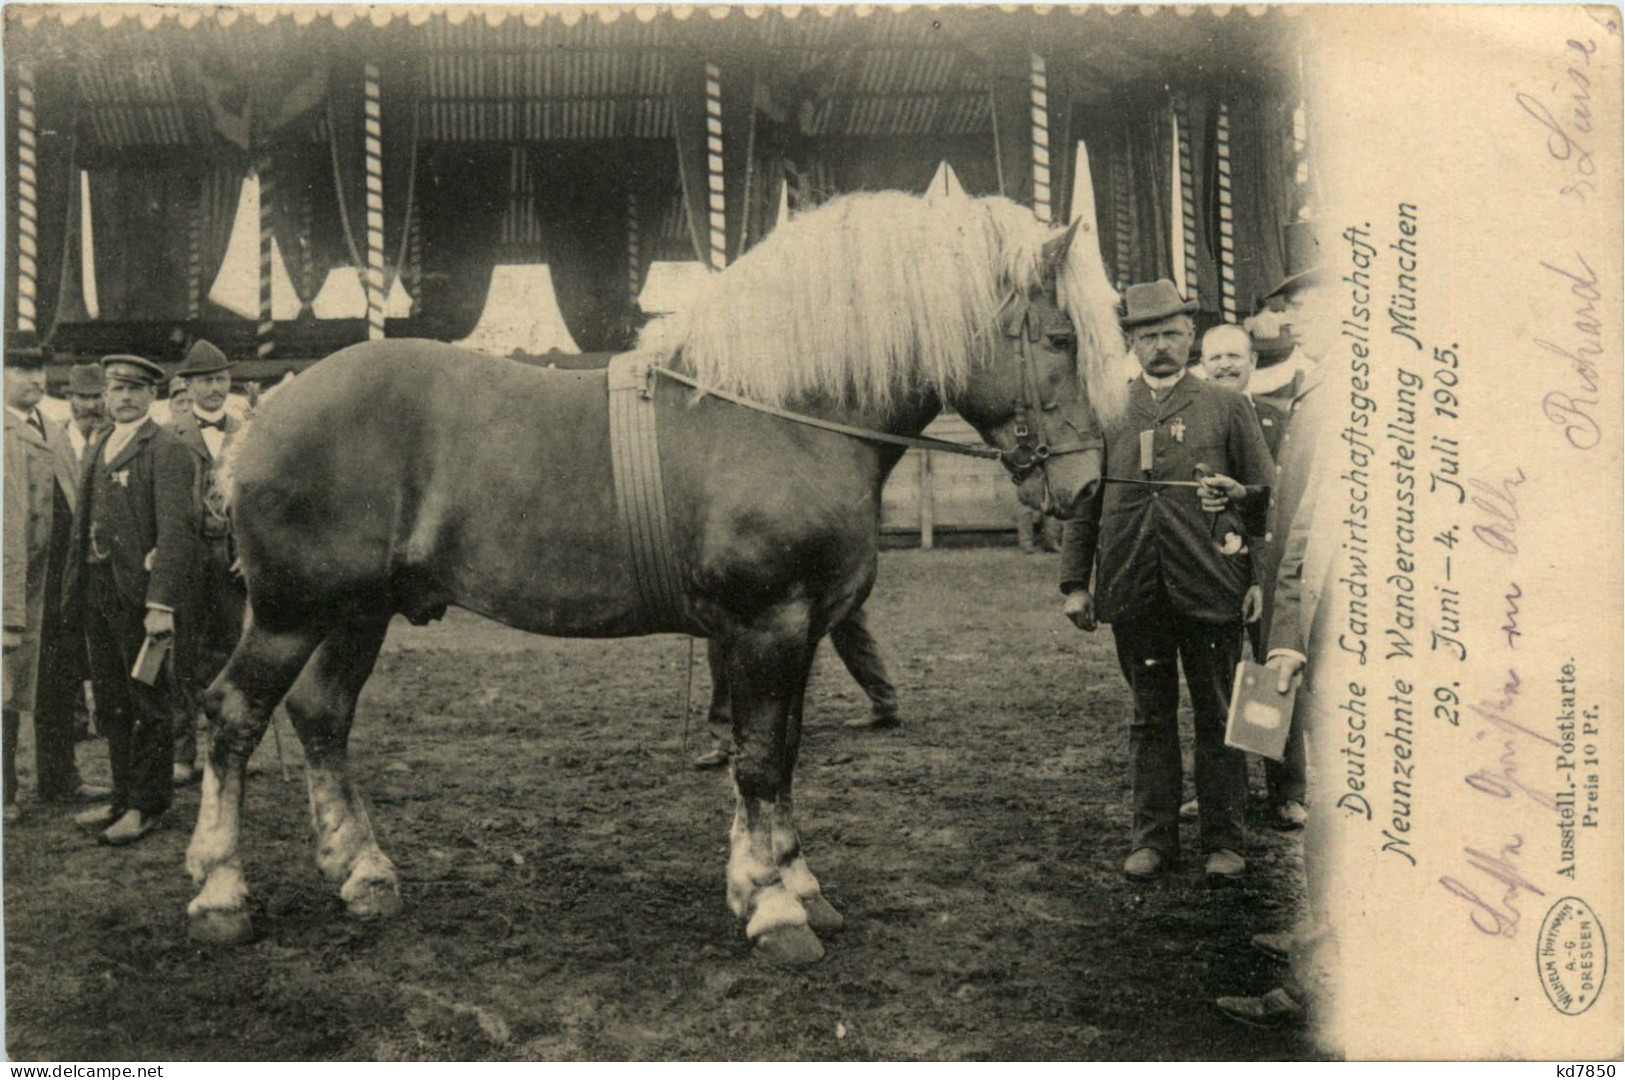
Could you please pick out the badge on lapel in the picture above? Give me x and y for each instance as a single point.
(122, 478)
(1177, 429)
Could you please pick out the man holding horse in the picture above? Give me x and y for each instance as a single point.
(129, 576)
(206, 427)
(1173, 579)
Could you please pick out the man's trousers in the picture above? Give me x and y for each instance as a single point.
(134, 717)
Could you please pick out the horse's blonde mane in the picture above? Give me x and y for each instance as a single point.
(873, 293)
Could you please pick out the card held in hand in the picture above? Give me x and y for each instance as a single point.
(1260, 718)
(150, 661)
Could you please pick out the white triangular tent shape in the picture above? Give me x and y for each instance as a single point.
(342, 297)
(946, 182)
(671, 286)
(237, 287)
(521, 314)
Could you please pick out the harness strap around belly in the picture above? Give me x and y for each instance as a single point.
(640, 499)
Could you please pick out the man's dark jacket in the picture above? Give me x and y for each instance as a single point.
(1148, 538)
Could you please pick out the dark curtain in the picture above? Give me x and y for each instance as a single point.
(347, 159)
(1101, 142)
(688, 110)
(219, 186)
(907, 163)
(580, 203)
(305, 214)
(463, 190)
(1150, 188)
(1202, 133)
(141, 216)
(1262, 188)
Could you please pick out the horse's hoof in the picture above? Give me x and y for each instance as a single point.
(374, 900)
(220, 926)
(790, 946)
(821, 914)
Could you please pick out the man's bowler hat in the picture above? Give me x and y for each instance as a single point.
(1152, 302)
(85, 379)
(1303, 260)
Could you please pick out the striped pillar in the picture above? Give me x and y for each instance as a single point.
(713, 167)
(374, 277)
(1187, 202)
(194, 253)
(1227, 221)
(634, 258)
(1123, 215)
(1038, 97)
(414, 258)
(27, 201)
(265, 330)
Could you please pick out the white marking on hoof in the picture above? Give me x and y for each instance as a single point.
(790, 946)
(821, 914)
(224, 890)
(216, 927)
(373, 891)
(775, 909)
(799, 879)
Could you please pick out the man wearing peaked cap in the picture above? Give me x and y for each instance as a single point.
(129, 575)
(1167, 566)
(207, 429)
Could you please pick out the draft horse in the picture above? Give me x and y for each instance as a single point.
(401, 477)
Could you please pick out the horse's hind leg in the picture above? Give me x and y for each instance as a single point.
(322, 706)
(239, 705)
(769, 884)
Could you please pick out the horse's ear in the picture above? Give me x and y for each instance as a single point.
(1055, 249)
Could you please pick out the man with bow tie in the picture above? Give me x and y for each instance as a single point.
(206, 428)
(1173, 579)
(39, 482)
(129, 577)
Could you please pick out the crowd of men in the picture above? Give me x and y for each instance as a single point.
(118, 567)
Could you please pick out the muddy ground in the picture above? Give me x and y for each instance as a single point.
(562, 868)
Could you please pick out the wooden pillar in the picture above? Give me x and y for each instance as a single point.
(27, 202)
(194, 252)
(265, 330)
(715, 187)
(1038, 97)
(373, 279)
(1227, 222)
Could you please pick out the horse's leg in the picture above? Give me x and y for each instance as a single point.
(821, 914)
(322, 707)
(239, 705)
(768, 663)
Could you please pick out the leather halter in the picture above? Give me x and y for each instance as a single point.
(1032, 449)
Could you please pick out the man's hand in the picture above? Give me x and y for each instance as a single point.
(1287, 669)
(1218, 492)
(1252, 604)
(159, 623)
(13, 640)
(1080, 608)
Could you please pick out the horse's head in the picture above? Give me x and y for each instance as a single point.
(1031, 400)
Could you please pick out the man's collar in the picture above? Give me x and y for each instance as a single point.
(212, 417)
(18, 413)
(124, 428)
(1162, 382)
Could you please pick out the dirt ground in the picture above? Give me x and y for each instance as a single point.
(562, 869)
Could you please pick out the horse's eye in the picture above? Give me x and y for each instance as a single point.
(1062, 342)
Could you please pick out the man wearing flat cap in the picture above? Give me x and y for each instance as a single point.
(130, 573)
(38, 520)
(1165, 562)
(206, 428)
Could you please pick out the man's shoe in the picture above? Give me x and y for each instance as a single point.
(130, 828)
(13, 813)
(1145, 864)
(1225, 865)
(715, 758)
(1290, 815)
(1190, 811)
(1275, 1009)
(183, 774)
(873, 722)
(1277, 945)
(98, 817)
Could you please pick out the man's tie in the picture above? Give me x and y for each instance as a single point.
(36, 423)
(219, 425)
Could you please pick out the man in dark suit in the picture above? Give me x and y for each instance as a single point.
(130, 571)
(207, 429)
(1229, 358)
(1173, 579)
(38, 521)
